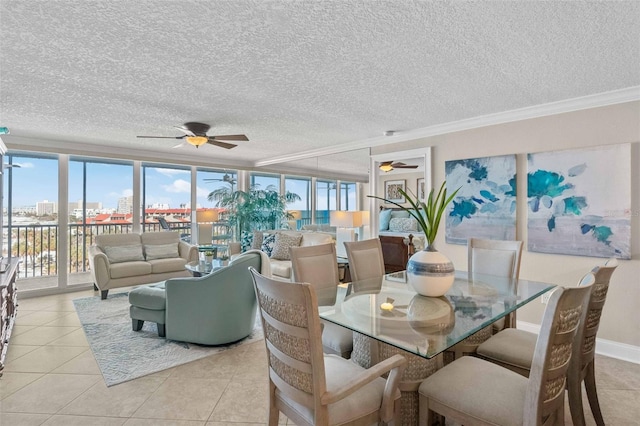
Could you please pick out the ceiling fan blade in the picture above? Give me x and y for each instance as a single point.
(221, 144)
(186, 131)
(181, 144)
(161, 137)
(229, 137)
(386, 163)
(404, 166)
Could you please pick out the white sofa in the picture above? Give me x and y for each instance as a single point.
(123, 260)
(281, 268)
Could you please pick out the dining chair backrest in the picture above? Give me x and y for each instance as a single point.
(316, 265)
(291, 324)
(365, 259)
(562, 322)
(596, 303)
(494, 257)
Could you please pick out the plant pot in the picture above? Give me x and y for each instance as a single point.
(430, 272)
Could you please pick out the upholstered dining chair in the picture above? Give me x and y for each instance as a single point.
(365, 259)
(366, 263)
(514, 349)
(473, 391)
(318, 266)
(493, 257)
(309, 387)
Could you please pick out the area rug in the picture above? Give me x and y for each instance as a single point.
(123, 354)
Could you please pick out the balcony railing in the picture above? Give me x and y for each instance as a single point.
(36, 244)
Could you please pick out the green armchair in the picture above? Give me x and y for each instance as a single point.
(215, 309)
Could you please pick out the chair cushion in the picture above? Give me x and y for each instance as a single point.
(148, 297)
(128, 253)
(315, 239)
(493, 261)
(161, 251)
(510, 346)
(281, 268)
(129, 269)
(336, 339)
(282, 245)
(160, 266)
(339, 372)
(479, 389)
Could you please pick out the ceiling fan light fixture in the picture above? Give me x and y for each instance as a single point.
(386, 167)
(197, 140)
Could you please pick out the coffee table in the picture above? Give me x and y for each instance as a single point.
(199, 270)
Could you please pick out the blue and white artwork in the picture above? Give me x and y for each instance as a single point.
(579, 202)
(485, 205)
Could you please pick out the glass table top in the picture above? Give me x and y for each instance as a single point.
(387, 309)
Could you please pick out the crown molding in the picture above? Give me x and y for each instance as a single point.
(620, 96)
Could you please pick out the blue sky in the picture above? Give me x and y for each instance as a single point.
(37, 180)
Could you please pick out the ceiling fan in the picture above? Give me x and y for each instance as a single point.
(196, 135)
(387, 166)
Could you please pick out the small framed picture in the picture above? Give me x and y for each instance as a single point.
(391, 190)
(420, 189)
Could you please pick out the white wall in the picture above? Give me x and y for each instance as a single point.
(615, 124)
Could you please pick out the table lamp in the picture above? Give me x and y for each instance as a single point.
(345, 222)
(205, 219)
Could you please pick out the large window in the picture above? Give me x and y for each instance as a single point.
(325, 200)
(299, 209)
(166, 193)
(265, 181)
(100, 201)
(31, 221)
(348, 196)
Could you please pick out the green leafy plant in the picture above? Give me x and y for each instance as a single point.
(208, 253)
(256, 209)
(429, 213)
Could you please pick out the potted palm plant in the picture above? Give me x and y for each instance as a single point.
(429, 272)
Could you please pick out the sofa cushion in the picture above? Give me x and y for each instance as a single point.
(129, 269)
(128, 253)
(161, 251)
(281, 268)
(113, 240)
(173, 264)
(401, 224)
(315, 238)
(282, 245)
(165, 237)
(258, 237)
(385, 217)
(246, 241)
(268, 243)
(399, 214)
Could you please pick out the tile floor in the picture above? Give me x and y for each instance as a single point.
(51, 378)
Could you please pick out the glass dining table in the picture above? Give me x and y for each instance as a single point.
(387, 309)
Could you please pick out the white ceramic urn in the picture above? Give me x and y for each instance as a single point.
(430, 272)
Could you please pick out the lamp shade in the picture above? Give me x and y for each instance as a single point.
(341, 219)
(205, 216)
(360, 218)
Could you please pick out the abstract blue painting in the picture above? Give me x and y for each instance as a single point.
(579, 202)
(485, 205)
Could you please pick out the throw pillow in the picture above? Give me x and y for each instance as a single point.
(400, 224)
(258, 237)
(400, 213)
(246, 241)
(385, 217)
(268, 243)
(282, 245)
(161, 251)
(118, 254)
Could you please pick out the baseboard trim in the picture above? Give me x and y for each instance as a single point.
(604, 347)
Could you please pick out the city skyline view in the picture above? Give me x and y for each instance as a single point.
(107, 183)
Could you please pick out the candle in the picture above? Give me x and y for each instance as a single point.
(386, 306)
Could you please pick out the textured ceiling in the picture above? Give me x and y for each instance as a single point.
(294, 76)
